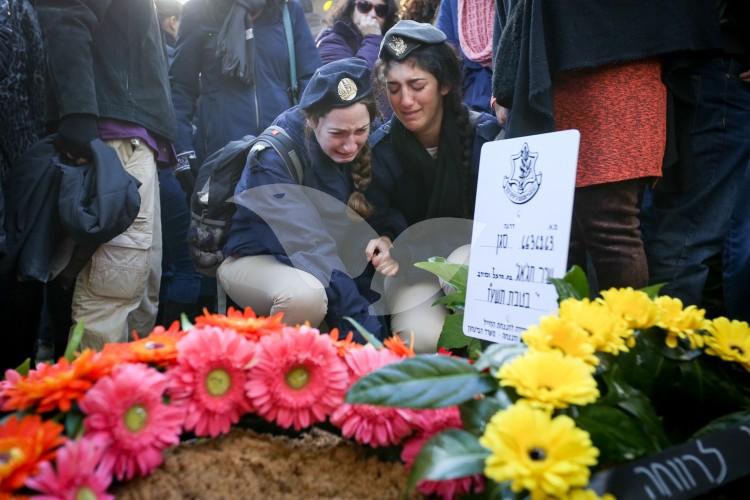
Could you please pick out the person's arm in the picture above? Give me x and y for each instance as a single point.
(332, 47)
(184, 76)
(369, 49)
(69, 27)
(387, 220)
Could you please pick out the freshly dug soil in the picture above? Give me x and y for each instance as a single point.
(247, 465)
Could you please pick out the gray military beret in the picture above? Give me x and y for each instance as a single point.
(407, 35)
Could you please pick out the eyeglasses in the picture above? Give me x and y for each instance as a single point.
(364, 7)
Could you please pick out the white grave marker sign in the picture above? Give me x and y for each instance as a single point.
(521, 231)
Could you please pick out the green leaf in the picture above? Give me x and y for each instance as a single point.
(638, 406)
(23, 368)
(424, 381)
(653, 290)
(452, 336)
(506, 396)
(678, 383)
(185, 323)
(574, 284)
(456, 300)
(369, 337)
(476, 413)
(577, 278)
(618, 436)
(564, 290)
(494, 491)
(74, 424)
(497, 355)
(74, 342)
(455, 274)
(732, 420)
(474, 348)
(623, 424)
(452, 454)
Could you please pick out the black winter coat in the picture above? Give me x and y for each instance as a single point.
(21, 89)
(106, 58)
(226, 108)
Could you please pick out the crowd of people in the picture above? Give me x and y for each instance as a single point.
(383, 114)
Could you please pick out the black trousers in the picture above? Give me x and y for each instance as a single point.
(606, 227)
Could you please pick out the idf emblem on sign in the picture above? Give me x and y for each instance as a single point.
(523, 182)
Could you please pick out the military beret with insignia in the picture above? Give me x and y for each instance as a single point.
(337, 84)
(407, 35)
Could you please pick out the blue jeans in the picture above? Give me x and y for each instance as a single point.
(737, 256)
(181, 283)
(700, 209)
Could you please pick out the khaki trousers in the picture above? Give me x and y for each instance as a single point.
(269, 286)
(117, 291)
(412, 309)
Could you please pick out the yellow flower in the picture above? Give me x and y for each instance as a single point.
(577, 494)
(562, 334)
(729, 340)
(608, 332)
(588, 495)
(633, 306)
(679, 322)
(549, 379)
(537, 452)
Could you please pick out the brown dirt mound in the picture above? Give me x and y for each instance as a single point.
(245, 464)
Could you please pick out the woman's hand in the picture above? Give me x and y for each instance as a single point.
(501, 113)
(369, 26)
(378, 251)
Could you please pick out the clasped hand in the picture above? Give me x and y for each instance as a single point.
(378, 251)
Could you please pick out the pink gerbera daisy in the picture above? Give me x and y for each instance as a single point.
(78, 473)
(435, 420)
(367, 424)
(127, 410)
(297, 379)
(209, 379)
(432, 422)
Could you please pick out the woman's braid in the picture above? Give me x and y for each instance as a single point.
(361, 169)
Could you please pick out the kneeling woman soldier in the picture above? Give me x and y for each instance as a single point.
(425, 166)
(285, 249)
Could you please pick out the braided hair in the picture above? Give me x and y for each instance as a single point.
(441, 61)
(360, 167)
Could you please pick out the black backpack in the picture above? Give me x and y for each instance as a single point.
(210, 205)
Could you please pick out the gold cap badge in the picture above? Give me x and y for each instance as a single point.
(347, 89)
(397, 45)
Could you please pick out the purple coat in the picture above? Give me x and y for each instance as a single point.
(343, 40)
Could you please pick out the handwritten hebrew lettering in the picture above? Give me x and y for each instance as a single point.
(658, 469)
(700, 464)
(660, 486)
(722, 464)
(684, 474)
